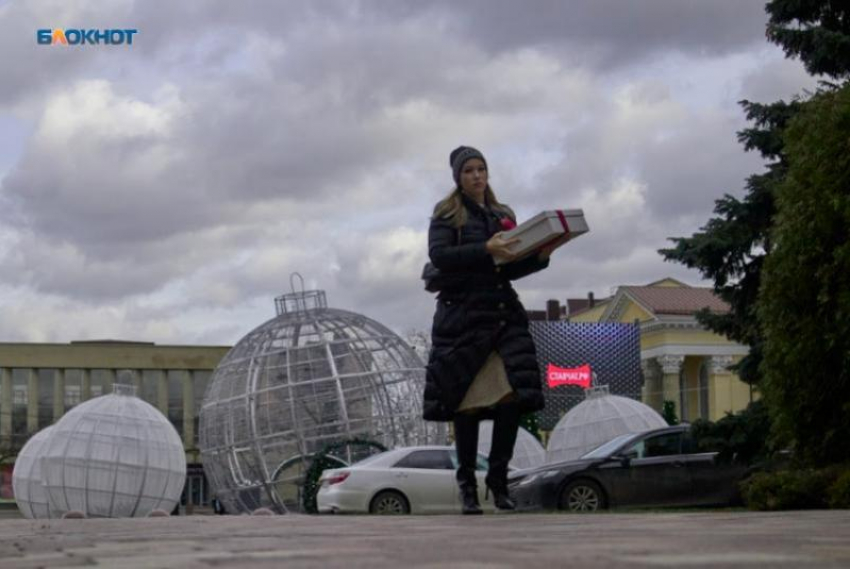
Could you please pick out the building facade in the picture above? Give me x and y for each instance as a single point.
(682, 361)
(40, 382)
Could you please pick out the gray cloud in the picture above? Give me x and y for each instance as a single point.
(168, 191)
(604, 33)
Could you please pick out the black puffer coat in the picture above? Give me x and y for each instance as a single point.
(477, 312)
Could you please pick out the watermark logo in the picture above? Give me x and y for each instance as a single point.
(82, 36)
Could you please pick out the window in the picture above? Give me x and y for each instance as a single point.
(175, 398)
(660, 445)
(19, 395)
(430, 459)
(72, 395)
(480, 463)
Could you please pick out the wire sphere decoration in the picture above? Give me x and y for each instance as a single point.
(29, 492)
(596, 420)
(114, 456)
(309, 377)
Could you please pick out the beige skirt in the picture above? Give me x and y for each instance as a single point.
(489, 387)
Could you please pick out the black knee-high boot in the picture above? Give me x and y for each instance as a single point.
(505, 427)
(466, 443)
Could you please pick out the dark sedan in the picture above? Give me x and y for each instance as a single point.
(656, 468)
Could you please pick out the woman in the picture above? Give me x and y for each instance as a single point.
(483, 363)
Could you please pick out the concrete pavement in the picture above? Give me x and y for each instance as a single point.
(698, 539)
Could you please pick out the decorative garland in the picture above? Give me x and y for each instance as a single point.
(323, 461)
(530, 424)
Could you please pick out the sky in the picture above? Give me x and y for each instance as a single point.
(166, 191)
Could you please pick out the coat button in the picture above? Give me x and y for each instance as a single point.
(499, 287)
(498, 269)
(501, 306)
(501, 322)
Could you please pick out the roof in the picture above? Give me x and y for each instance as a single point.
(575, 305)
(675, 300)
(580, 310)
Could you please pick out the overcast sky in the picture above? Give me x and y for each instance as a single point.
(165, 191)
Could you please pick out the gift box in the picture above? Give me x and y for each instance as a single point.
(544, 228)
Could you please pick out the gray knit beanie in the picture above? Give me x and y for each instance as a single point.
(460, 155)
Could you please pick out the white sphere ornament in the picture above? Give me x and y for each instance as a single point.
(596, 420)
(29, 492)
(114, 456)
(528, 452)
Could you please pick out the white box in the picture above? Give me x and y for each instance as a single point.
(544, 228)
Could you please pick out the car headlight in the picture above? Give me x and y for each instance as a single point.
(536, 477)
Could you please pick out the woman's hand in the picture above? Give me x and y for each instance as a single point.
(499, 247)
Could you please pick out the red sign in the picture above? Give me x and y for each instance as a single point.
(580, 376)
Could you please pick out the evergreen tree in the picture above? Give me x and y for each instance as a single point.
(731, 248)
(816, 31)
(668, 413)
(529, 423)
(804, 304)
(780, 256)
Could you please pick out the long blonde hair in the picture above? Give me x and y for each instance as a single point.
(451, 207)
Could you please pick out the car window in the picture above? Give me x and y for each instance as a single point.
(481, 463)
(605, 449)
(689, 445)
(659, 445)
(430, 459)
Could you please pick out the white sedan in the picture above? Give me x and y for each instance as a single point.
(409, 480)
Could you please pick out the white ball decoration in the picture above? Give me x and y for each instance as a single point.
(113, 456)
(29, 492)
(528, 452)
(597, 420)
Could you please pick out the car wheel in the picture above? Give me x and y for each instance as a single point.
(582, 496)
(389, 503)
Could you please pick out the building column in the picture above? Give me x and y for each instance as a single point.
(671, 367)
(111, 378)
(652, 390)
(162, 391)
(85, 385)
(721, 396)
(136, 376)
(32, 400)
(720, 365)
(58, 394)
(5, 405)
(188, 409)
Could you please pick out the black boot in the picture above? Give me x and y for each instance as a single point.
(501, 497)
(505, 427)
(469, 500)
(466, 444)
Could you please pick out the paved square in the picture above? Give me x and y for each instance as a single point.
(721, 539)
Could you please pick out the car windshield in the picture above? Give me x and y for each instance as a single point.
(607, 448)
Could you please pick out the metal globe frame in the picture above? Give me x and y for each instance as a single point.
(309, 377)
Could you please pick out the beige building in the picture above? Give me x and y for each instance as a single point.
(682, 361)
(40, 382)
